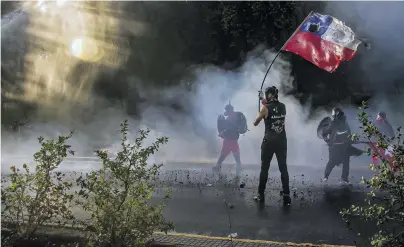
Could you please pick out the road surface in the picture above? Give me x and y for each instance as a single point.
(198, 205)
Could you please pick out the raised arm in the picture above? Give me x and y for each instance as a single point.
(261, 115)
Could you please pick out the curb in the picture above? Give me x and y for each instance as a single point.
(194, 240)
(173, 239)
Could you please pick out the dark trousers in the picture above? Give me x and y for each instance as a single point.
(338, 154)
(268, 149)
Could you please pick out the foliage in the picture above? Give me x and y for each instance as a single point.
(239, 27)
(117, 195)
(385, 202)
(32, 199)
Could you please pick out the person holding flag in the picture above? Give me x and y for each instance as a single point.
(274, 142)
(324, 41)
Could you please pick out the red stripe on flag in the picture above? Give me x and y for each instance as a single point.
(322, 53)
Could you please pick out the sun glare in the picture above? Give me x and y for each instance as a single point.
(62, 34)
(85, 49)
(76, 48)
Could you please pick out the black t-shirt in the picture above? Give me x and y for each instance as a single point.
(275, 122)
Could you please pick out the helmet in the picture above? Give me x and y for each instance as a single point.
(229, 107)
(271, 90)
(337, 112)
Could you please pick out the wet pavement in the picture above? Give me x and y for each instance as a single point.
(206, 203)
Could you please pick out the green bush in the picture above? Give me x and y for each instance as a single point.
(32, 199)
(384, 204)
(117, 195)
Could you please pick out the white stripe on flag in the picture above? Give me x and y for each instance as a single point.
(340, 34)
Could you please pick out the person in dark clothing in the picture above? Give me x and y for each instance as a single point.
(338, 138)
(274, 142)
(230, 136)
(383, 125)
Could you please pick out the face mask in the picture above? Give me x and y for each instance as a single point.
(269, 97)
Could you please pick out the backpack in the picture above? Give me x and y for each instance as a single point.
(241, 122)
(221, 123)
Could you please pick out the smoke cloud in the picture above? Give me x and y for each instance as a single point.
(193, 135)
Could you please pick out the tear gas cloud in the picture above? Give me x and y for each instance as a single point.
(215, 88)
(193, 135)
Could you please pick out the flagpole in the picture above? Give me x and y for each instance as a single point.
(277, 54)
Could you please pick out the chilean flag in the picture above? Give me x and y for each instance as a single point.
(324, 41)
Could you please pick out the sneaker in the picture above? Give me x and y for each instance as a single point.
(259, 198)
(344, 183)
(324, 180)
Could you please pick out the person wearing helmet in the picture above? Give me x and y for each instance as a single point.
(274, 142)
(383, 125)
(230, 136)
(338, 138)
